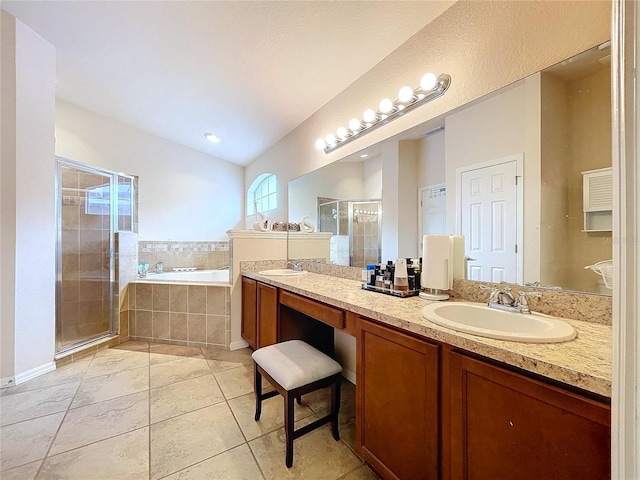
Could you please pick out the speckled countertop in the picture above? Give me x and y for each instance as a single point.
(584, 362)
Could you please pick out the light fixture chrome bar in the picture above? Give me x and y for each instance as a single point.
(444, 80)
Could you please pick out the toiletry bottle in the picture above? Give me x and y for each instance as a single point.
(380, 276)
(411, 276)
(401, 280)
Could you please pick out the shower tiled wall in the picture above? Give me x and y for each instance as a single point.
(207, 255)
(195, 315)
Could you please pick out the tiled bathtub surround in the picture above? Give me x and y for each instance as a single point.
(207, 255)
(196, 315)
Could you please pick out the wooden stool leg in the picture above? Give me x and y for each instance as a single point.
(288, 427)
(335, 408)
(257, 388)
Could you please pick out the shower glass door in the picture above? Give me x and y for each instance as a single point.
(85, 268)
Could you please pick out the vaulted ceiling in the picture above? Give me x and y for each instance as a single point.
(248, 71)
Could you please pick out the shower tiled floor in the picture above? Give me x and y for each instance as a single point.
(152, 411)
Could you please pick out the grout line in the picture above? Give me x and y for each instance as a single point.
(149, 403)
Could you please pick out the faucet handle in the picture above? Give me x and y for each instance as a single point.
(493, 293)
(522, 300)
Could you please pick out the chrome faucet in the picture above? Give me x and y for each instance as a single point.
(503, 299)
(296, 265)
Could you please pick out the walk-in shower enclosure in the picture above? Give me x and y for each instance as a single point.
(92, 204)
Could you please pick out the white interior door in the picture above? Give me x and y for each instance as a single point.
(433, 211)
(490, 221)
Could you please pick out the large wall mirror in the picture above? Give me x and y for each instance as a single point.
(524, 172)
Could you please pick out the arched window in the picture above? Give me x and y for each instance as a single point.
(262, 195)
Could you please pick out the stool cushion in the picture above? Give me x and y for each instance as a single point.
(295, 363)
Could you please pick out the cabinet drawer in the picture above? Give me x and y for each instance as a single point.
(324, 313)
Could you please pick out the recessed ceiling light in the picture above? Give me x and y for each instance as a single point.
(212, 137)
(364, 155)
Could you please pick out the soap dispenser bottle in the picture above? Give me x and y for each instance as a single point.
(400, 278)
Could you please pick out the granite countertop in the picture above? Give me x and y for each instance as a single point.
(583, 362)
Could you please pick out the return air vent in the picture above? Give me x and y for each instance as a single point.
(598, 200)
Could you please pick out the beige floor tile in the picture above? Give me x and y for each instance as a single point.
(236, 381)
(271, 418)
(99, 421)
(98, 389)
(25, 442)
(174, 350)
(177, 370)
(73, 372)
(157, 358)
(360, 473)
(183, 397)
(25, 472)
(315, 455)
(36, 403)
(133, 345)
(235, 464)
(123, 457)
(320, 402)
(117, 362)
(181, 441)
(221, 359)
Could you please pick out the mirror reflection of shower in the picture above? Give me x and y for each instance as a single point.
(357, 230)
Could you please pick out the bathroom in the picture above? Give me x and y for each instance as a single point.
(174, 179)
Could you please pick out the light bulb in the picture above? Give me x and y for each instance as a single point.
(354, 125)
(330, 139)
(405, 95)
(428, 81)
(320, 144)
(369, 115)
(342, 133)
(386, 105)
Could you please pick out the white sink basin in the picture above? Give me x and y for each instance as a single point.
(281, 272)
(478, 319)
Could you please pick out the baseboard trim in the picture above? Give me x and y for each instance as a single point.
(7, 382)
(35, 372)
(349, 375)
(238, 345)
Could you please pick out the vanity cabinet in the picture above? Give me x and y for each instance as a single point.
(397, 395)
(507, 425)
(249, 321)
(259, 326)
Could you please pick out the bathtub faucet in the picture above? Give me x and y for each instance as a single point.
(296, 265)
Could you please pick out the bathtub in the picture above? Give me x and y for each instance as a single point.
(182, 308)
(196, 277)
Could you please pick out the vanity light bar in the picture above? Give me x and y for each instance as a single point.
(431, 87)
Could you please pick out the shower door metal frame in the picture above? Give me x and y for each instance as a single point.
(113, 218)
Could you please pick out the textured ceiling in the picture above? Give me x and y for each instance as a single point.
(249, 71)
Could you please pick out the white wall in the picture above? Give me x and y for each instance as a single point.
(483, 46)
(342, 180)
(372, 178)
(184, 194)
(431, 162)
(28, 207)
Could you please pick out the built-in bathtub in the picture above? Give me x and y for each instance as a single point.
(195, 277)
(184, 308)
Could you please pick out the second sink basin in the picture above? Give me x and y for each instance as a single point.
(478, 319)
(281, 272)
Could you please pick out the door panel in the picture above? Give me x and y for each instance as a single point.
(489, 222)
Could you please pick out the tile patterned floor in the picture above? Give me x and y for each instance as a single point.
(155, 411)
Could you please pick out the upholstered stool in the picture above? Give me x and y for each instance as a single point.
(295, 368)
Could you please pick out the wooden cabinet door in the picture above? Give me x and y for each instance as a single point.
(249, 325)
(508, 426)
(397, 402)
(267, 315)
